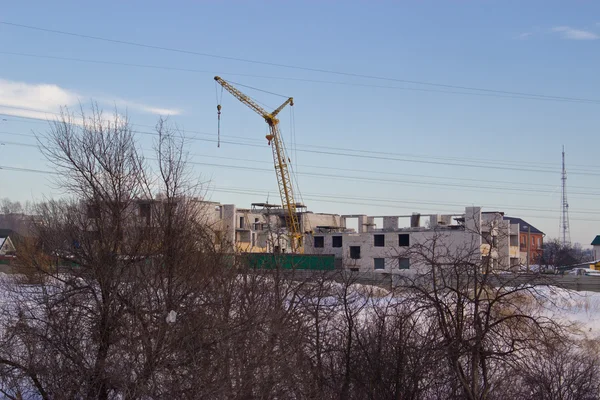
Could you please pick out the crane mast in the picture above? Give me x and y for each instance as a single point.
(284, 180)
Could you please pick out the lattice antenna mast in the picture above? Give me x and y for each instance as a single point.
(564, 216)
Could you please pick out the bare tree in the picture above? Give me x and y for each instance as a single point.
(10, 207)
(558, 370)
(483, 320)
(134, 298)
(556, 254)
(96, 326)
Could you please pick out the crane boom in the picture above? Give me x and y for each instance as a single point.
(284, 180)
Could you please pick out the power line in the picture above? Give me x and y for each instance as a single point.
(355, 170)
(418, 202)
(253, 88)
(386, 206)
(339, 199)
(18, 169)
(438, 185)
(311, 69)
(310, 147)
(38, 120)
(467, 163)
(192, 70)
(369, 179)
(18, 144)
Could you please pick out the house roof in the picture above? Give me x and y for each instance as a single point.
(523, 225)
(596, 241)
(6, 232)
(14, 236)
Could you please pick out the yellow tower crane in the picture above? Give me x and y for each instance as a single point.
(279, 158)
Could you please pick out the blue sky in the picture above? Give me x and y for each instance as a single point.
(363, 145)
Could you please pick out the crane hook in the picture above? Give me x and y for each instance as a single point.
(218, 125)
(269, 138)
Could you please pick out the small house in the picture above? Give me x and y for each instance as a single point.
(6, 246)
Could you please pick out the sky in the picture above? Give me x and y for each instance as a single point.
(399, 107)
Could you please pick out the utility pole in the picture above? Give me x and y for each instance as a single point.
(564, 216)
(528, 247)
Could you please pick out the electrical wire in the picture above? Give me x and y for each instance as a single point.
(467, 163)
(368, 179)
(397, 201)
(309, 147)
(293, 79)
(488, 161)
(338, 199)
(295, 67)
(257, 89)
(365, 171)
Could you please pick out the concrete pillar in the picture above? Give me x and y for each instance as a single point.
(362, 223)
(433, 221)
(473, 230)
(503, 240)
(229, 214)
(473, 219)
(390, 223)
(415, 220)
(370, 224)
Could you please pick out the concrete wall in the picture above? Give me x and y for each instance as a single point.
(228, 225)
(259, 232)
(452, 239)
(497, 236)
(309, 221)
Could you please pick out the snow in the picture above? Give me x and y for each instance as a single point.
(171, 317)
(580, 308)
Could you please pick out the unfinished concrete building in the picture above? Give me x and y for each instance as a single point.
(379, 243)
(262, 228)
(259, 229)
(358, 242)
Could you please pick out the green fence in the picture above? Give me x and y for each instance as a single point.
(290, 261)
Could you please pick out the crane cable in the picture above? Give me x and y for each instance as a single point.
(254, 88)
(294, 151)
(268, 107)
(218, 112)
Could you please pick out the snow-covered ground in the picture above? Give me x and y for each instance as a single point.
(580, 308)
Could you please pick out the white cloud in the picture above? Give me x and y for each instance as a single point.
(163, 111)
(44, 101)
(37, 101)
(144, 107)
(524, 35)
(575, 34)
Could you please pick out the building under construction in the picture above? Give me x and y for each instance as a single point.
(373, 243)
(376, 243)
